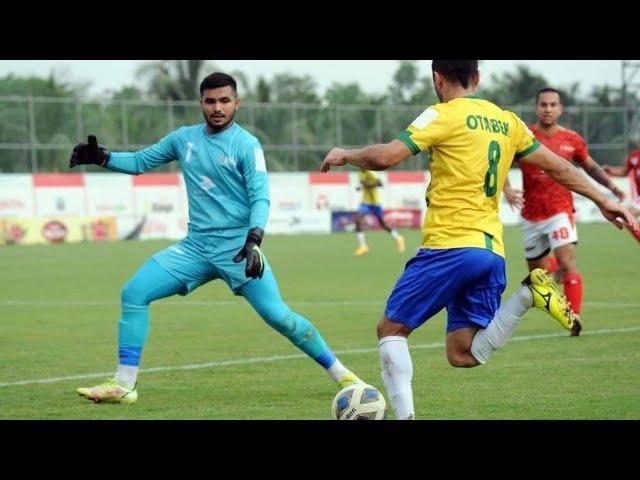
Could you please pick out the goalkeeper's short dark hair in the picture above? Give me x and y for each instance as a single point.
(217, 80)
(460, 71)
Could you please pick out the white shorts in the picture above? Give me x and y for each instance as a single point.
(542, 237)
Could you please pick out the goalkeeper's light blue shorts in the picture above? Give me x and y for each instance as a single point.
(468, 282)
(200, 258)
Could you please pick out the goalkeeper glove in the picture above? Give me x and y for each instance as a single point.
(251, 251)
(89, 154)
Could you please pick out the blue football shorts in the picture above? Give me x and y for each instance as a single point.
(468, 282)
(376, 210)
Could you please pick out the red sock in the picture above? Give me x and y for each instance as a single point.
(636, 234)
(552, 264)
(573, 290)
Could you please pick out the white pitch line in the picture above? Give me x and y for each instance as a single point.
(277, 358)
(223, 303)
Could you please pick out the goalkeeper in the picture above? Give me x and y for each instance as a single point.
(226, 180)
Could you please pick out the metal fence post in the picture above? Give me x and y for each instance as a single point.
(173, 166)
(338, 126)
(32, 135)
(125, 125)
(298, 143)
(252, 117)
(585, 123)
(294, 116)
(79, 124)
(625, 129)
(170, 115)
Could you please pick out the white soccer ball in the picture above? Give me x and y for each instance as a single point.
(359, 401)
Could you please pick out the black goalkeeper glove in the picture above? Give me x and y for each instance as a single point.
(89, 154)
(251, 251)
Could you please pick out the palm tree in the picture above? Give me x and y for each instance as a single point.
(404, 80)
(174, 79)
(518, 88)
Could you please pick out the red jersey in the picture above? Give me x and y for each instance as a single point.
(633, 162)
(544, 197)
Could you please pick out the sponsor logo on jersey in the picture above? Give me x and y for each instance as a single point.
(206, 183)
(229, 161)
(567, 148)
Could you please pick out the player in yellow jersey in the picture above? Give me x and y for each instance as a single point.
(369, 184)
(461, 264)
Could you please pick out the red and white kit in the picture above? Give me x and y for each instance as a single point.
(548, 212)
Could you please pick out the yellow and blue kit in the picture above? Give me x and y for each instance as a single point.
(472, 143)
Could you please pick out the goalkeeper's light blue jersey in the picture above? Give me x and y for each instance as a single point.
(225, 175)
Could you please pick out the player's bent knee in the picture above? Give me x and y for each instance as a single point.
(133, 294)
(293, 326)
(278, 317)
(461, 359)
(281, 320)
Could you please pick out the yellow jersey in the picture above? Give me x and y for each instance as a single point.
(472, 143)
(369, 185)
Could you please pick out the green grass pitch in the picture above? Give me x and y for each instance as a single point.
(209, 356)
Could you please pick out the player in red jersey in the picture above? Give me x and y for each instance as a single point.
(548, 212)
(631, 168)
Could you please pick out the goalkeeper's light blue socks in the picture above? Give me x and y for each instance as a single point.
(151, 282)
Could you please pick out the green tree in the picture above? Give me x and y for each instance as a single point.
(52, 86)
(174, 79)
(514, 88)
(245, 92)
(404, 80)
(358, 124)
(607, 126)
(263, 91)
(517, 91)
(345, 94)
(54, 121)
(423, 94)
(128, 92)
(290, 88)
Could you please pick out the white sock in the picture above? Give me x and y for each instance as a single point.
(499, 331)
(126, 375)
(394, 234)
(337, 370)
(361, 241)
(397, 371)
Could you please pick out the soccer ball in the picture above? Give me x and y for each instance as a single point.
(359, 401)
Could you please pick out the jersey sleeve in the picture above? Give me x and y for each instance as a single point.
(428, 129)
(582, 152)
(524, 140)
(142, 161)
(254, 172)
